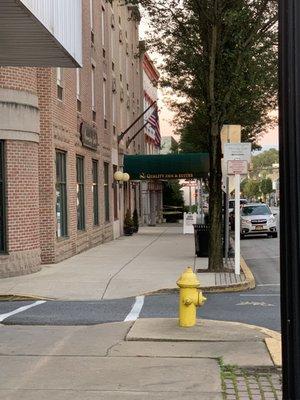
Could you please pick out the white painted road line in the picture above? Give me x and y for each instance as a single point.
(136, 309)
(20, 309)
(269, 284)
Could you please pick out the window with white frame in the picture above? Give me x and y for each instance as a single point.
(93, 92)
(103, 26)
(78, 89)
(105, 102)
(114, 109)
(59, 81)
(92, 21)
(112, 42)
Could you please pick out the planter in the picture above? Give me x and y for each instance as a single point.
(128, 230)
(135, 229)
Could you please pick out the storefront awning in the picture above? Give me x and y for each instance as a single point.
(167, 166)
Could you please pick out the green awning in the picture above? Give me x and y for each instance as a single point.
(167, 166)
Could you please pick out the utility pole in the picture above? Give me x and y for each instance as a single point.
(289, 110)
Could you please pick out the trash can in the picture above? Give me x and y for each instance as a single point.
(201, 234)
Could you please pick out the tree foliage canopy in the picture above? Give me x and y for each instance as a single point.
(245, 61)
(265, 160)
(220, 58)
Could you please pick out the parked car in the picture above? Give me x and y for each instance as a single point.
(231, 210)
(257, 218)
(232, 204)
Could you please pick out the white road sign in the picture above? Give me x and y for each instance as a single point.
(237, 167)
(237, 151)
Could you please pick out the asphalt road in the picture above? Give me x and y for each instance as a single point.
(260, 306)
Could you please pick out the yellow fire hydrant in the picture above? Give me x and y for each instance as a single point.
(189, 297)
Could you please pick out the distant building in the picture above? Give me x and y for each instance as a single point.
(151, 190)
(168, 143)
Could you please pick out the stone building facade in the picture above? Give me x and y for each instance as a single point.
(152, 198)
(59, 144)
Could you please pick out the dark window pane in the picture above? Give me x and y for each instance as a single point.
(61, 195)
(106, 192)
(80, 193)
(2, 201)
(95, 193)
(116, 214)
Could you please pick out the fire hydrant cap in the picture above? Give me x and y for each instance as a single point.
(188, 279)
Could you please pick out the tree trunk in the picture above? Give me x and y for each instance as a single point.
(215, 178)
(215, 201)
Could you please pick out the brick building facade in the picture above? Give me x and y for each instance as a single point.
(59, 144)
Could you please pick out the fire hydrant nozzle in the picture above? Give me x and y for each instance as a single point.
(189, 298)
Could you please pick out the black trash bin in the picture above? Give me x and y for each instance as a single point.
(201, 233)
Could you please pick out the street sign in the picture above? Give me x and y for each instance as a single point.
(189, 184)
(237, 167)
(237, 151)
(189, 219)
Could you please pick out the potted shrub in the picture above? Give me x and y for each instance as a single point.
(135, 221)
(128, 224)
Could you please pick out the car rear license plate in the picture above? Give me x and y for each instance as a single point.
(259, 227)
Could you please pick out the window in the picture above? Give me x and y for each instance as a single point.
(93, 93)
(112, 42)
(103, 27)
(92, 21)
(2, 200)
(80, 193)
(106, 192)
(104, 103)
(61, 195)
(78, 91)
(116, 214)
(95, 193)
(113, 109)
(60, 89)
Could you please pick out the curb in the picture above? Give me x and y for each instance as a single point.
(273, 343)
(248, 284)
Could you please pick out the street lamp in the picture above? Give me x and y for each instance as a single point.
(126, 177)
(120, 177)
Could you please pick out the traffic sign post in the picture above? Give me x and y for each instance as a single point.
(239, 167)
(237, 156)
(237, 226)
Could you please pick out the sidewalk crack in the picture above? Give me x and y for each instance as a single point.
(130, 261)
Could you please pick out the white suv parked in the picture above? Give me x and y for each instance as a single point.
(257, 218)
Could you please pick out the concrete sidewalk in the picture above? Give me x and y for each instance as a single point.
(147, 262)
(149, 359)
